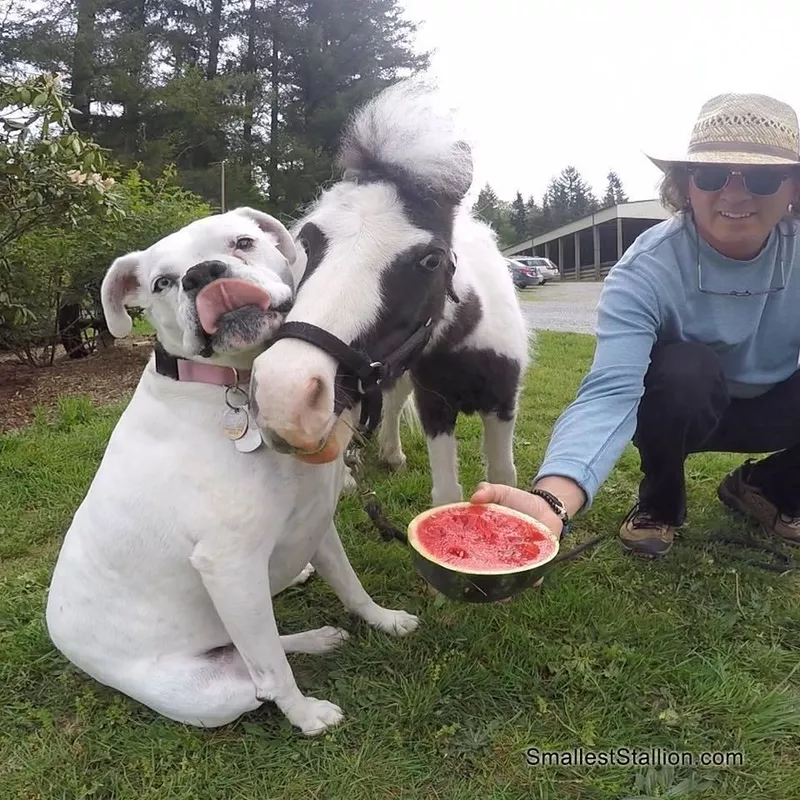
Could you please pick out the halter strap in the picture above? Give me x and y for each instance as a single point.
(370, 374)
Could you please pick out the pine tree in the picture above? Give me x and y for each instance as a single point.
(496, 213)
(535, 217)
(568, 197)
(519, 218)
(486, 204)
(615, 194)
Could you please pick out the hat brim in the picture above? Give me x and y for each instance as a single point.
(727, 157)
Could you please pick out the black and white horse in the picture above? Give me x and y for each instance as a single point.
(392, 258)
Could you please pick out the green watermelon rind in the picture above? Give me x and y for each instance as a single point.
(476, 588)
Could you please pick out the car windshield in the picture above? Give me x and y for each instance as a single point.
(530, 261)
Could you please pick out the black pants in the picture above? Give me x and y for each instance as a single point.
(686, 409)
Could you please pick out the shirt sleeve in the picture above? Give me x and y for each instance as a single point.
(591, 434)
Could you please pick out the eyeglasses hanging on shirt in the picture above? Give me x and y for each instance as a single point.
(744, 292)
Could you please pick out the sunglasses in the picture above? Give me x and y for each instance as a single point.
(760, 181)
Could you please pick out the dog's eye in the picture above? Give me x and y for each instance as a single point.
(245, 242)
(304, 245)
(162, 284)
(432, 261)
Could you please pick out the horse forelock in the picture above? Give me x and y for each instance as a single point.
(405, 137)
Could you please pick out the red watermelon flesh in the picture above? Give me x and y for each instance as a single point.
(482, 538)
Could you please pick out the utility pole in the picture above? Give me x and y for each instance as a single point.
(222, 185)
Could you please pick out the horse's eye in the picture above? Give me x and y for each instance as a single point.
(162, 284)
(245, 242)
(432, 261)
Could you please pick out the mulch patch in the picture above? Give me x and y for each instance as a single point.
(107, 376)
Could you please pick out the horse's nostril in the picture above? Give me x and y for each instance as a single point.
(316, 391)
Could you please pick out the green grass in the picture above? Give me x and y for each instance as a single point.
(693, 653)
(141, 327)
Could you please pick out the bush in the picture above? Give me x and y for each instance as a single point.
(59, 270)
(151, 211)
(49, 176)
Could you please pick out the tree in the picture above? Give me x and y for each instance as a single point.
(615, 194)
(519, 218)
(342, 52)
(487, 205)
(568, 197)
(536, 222)
(496, 213)
(555, 204)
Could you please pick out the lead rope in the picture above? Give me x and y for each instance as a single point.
(782, 562)
(370, 501)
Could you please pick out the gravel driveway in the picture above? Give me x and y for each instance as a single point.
(562, 306)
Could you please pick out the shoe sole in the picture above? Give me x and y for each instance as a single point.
(643, 553)
(733, 503)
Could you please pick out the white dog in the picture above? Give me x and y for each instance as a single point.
(164, 582)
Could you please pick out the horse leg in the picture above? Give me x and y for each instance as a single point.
(498, 448)
(390, 447)
(438, 417)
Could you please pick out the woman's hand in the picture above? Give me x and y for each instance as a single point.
(520, 500)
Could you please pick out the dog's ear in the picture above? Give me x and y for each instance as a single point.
(269, 224)
(120, 288)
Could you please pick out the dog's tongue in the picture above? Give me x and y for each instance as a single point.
(224, 295)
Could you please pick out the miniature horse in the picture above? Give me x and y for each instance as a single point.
(391, 256)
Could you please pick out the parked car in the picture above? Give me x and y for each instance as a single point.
(524, 275)
(547, 268)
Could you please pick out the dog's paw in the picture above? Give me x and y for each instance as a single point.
(314, 716)
(319, 640)
(323, 640)
(398, 623)
(303, 576)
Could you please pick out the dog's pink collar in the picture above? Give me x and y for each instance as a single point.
(182, 369)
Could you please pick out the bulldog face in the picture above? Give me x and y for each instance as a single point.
(220, 286)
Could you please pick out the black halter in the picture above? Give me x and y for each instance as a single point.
(371, 375)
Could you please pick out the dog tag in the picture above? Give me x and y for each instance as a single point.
(235, 423)
(252, 438)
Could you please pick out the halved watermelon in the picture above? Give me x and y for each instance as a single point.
(480, 552)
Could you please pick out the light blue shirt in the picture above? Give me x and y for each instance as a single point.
(653, 295)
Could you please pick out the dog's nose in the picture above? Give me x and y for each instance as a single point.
(202, 274)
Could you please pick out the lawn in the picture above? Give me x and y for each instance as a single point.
(694, 653)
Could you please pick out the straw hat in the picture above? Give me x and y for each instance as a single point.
(741, 129)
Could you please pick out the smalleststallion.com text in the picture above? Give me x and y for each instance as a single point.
(631, 757)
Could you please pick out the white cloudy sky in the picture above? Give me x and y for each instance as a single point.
(596, 83)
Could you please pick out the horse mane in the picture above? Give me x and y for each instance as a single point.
(403, 136)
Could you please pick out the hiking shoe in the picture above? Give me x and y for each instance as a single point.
(643, 535)
(746, 498)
